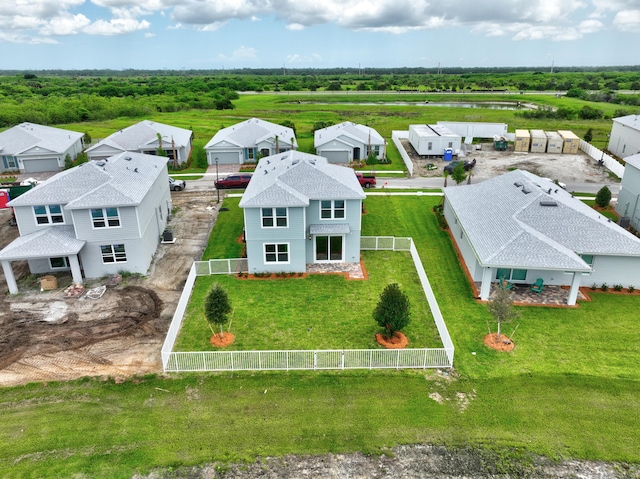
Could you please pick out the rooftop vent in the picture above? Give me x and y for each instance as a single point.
(518, 184)
(128, 158)
(100, 163)
(265, 172)
(525, 190)
(135, 169)
(548, 203)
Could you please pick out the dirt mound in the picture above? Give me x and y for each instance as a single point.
(43, 328)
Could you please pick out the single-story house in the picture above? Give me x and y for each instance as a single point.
(348, 141)
(521, 227)
(32, 148)
(301, 209)
(433, 140)
(248, 141)
(625, 136)
(96, 219)
(146, 137)
(628, 204)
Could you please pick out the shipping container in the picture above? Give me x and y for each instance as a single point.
(554, 142)
(538, 141)
(571, 142)
(522, 140)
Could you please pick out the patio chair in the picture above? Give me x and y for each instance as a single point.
(504, 284)
(537, 286)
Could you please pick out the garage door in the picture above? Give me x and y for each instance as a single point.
(41, 164)
(225, 158)
(335, 156)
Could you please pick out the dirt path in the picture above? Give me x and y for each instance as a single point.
(49, 337)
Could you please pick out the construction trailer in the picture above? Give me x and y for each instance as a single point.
(571, 142)
(554, 142)
(473, 129)
(538, 141)
(522, 140)
(433, 140)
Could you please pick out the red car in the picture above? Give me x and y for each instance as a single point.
(240, 180)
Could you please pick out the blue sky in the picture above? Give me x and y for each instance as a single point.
(215, 34)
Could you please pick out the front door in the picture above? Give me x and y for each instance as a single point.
(329, 249)
(356, 153)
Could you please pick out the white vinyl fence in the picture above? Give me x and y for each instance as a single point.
(415, 358)
(221, 266)
(610, 162)
(397, 136)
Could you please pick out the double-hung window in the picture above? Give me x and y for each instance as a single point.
(113, 253)
(276, 253)
(48, 214)
(105, 217)
(59, 262)
(332, 209)
(511, 274)
(274, 217)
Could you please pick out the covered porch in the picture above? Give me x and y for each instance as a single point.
(551, 295)
(56, 244)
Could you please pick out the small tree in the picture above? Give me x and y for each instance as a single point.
(459, 174)
(588, 136)
(393, 311)
(86, 138)
(217, 307)
(372, 160)
(603, 197)
(501, 308)
(446, 175)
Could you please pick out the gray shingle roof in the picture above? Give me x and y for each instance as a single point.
(633, 160)
(51, 242)
(137, 137)
(113, 182)
(509, 228)
(248, 133)
(293, 178)
(632, 121)
(362, 133)
(28, 135)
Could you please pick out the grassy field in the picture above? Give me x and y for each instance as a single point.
(568, 390)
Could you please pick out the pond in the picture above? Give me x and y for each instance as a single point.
(506, 105)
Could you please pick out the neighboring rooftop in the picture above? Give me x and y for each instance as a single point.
(25, 136)
(519, 219)
(362, 133)
(122, 180)
(137, 137)
(633, 160)
(250, 132)
(432, 130)
(632, 121)
(293, 178)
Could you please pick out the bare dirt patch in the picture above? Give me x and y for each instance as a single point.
(397, 341)
(502, 344)
(579, 167)
(47, 336)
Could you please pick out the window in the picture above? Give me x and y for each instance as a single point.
(57, 263)
(113, 253)
(276, 253)
(332, 209)
(10, 162)
(587, 258)
(274, 217)
(511, 274)
(430, 146)
(250, 155)
(48, 214)
(451, 144)
(105, 218)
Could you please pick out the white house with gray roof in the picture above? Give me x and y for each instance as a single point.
(249, 140)
(624, 139)
(93, 220)
(521, 227)
(32, 148)
(146, 137)
(348, 141)
(628, 203)
(300, 209)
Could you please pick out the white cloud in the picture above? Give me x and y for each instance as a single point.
(627, 21)
(65, 25)
(149, 35)
(240, 54)
(295, 26)
(295, 58)
(116, 26)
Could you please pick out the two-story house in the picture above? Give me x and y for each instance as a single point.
(146, 137)
(32, 148)
(628, 204)
(96, 219)
(300, 209)
(348, 141)
(249, 140)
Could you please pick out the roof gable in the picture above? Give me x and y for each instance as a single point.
(26, 136)
(355, 131)
(250, 132)
(144, 133)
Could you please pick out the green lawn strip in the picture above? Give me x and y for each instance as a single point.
(105, 430)
(223, 242)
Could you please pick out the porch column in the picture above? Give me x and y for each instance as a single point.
(573, 291)
(485, 287)
(76, 274)
(11, 279)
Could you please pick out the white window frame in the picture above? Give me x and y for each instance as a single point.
(105, 218)
(48, 215)
(332, 210)
(274, 217)
(115, 256)
(430, 146)
(277, 253)
(65, 260)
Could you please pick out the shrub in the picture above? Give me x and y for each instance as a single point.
(617, 287)
(604, 287)
(439, 212)
(594, 286)
(603, 197)
(393, 311)
(631, 288)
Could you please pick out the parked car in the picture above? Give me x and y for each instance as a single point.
(177, 185)
(467, 165)
(366, 181)
(237, 180)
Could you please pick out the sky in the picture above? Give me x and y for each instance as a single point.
(229, 34)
